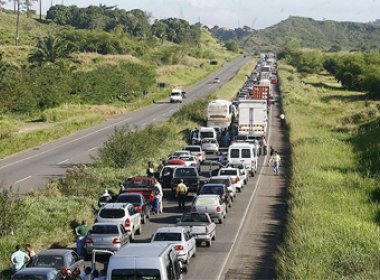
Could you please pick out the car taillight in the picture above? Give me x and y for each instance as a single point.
(206, 229)
(199, 155)
(151, 197)
(223, 197)
(127, 223)
(178, 247)
(116, 240)
(218, 209)
(138, 208)
(237, 180)
(89, 241)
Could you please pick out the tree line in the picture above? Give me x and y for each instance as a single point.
(135, 22)
(355, 70)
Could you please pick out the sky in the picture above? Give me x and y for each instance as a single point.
(256, 14)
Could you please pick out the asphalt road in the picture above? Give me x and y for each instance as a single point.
(32, 168)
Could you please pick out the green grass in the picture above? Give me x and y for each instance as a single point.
(333, 223)
(60, 210)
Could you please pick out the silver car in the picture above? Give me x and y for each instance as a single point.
(210, 145)
(210, 204)
(37, 273)
(107, 236)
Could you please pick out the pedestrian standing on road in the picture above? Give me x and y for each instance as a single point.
(19, 259)
(81, 232)
(181, 192)
(159, 194)
(275, 160)
(271, 153)
(30, 252)
(265, 145)
(121, 187)
(150, 169)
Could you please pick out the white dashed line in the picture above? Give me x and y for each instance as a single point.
(22, 180)
(63, 161)
(94, 148)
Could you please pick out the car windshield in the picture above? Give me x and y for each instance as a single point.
(206, 201)
(133, 199)
(112, 213)
(195, 218)
(185, 172)
(168, 236)
(53, 261)
(135, 274)
(211, 189)
(234, 153)
(218, 181)
(207, 134)
(105, 229)
(193, 149)
(176, 94)
(228, 172)
(167, 171)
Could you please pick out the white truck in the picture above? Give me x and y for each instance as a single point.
(176, 95)
(253, 118)
(220, 113)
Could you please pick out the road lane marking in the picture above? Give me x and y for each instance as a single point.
(94, 148)
(253, 195)
(63, 161)
(22, 180)
(65, 143)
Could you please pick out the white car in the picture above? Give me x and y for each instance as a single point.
(210, 145)
(181, 238)
(210, 204)
(196, 150)
(243, 171)
(177, 154)
(235, 174)
(121, 214)
(190, 161)
(176, 96)
(227, 180)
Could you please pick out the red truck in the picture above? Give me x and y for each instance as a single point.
(143, 185)
(261, 92)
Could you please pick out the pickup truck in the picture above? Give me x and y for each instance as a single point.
(201, 227)
(190, 177)
(143, 185)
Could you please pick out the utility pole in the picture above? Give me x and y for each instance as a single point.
(18, 23)
(40, 9)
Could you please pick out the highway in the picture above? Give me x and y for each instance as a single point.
(31, 169)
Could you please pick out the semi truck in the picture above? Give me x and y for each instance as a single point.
(220, 113)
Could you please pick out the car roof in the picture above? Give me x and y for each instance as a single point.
(105, 224)
(145, 250)
(170, 229)
(220, 177)
(116, 205)
(212, 184)
(228, 168)
(55, 252)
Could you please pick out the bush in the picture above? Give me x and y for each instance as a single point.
(12, 212)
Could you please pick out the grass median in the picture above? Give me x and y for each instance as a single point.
(47, 217)
(333, 221)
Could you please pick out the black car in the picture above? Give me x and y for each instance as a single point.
(220, 189)
(137, 200)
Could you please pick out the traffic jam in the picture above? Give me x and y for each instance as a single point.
(209, 175)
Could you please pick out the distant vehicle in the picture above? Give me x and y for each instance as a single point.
(145, 261)
(177, 154)
(191, 161)
(243, 171)
(219, 189)
(140, 203)
(58, 258)
(36, 273)
(230, 183)
(217, 80)
(184, 243)
(121, 213)
(253, 119)
(142, 185)
(201, 227)
(196, 150)
(106, 236)
(220, 113)
(244, 153)
(210, 204)
(208, 132)
(176, 96)
(235, 174)
(191, 178)
(210, 145)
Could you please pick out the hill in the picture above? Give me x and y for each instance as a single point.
(312, 33)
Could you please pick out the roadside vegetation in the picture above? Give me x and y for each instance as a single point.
(74, 197)
(333, 220)
(98, 71)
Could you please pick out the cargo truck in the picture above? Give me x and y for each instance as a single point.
(253, 119)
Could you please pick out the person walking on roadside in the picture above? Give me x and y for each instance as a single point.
(30, 252)
(275, 160)
(263, 145)
(271, 153)
(19, 259)
(81, 233)
(181, 192)
(150, 169)
(282, 119)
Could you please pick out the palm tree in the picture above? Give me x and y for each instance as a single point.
(50, 49)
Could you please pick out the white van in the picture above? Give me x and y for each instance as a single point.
(208, 132)
(145, 261)
(243, 153)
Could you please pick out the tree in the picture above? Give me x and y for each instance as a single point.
(27, 4)
(51, 49)
(3, 67)
(232, 45)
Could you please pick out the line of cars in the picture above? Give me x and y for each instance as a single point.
(170, 249)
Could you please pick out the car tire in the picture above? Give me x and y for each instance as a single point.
(220, 221)
(132, 236)
(208, 243)
(214, 237)
(188, 259)
(143, 218)
(252, 174)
